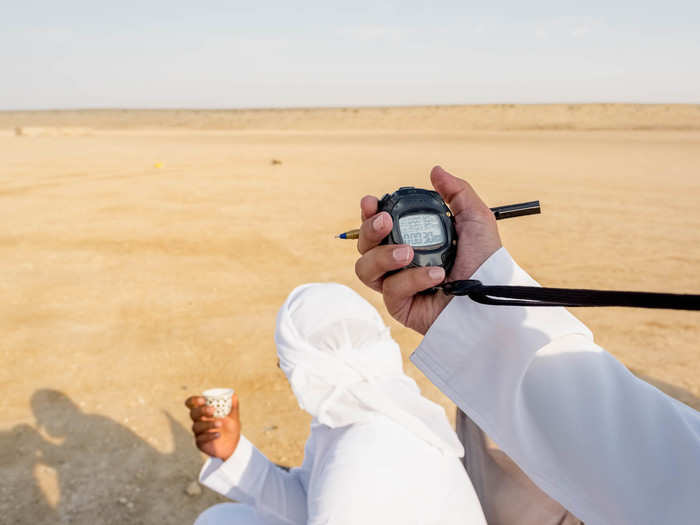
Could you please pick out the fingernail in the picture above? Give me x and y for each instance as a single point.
(217, 424)
(401, 254)
(378, 222)
(436, 273)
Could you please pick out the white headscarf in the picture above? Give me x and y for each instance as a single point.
(344, 366)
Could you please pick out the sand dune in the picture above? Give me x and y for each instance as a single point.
(144, 259)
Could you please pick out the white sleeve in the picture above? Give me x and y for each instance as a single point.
(606, 445)
(249, 477)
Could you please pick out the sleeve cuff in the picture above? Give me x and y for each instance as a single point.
(500, 268)
(482, 342)
(223, 476)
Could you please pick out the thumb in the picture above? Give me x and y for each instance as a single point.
(233, 413)
(457, 193)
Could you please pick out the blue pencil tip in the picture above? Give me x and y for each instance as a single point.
(343, 236)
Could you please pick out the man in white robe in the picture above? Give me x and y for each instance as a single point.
(378, 452)
(595, 439)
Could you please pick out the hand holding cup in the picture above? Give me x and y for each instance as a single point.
(216, 423)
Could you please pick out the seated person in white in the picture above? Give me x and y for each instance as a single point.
(378, 452)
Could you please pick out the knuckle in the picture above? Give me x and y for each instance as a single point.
(359, 266)
(378, 285)
(391, 284)
(388, 260)
(412, 278)
(418, 275)
(404, 283)
(483, 215)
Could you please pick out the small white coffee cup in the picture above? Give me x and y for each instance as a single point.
(220, 399)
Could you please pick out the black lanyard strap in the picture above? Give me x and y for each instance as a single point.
(536, 296)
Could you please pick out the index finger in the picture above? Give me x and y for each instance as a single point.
(373, 230)
(203, 412)
(194, 401)
(368, 207)
(374, 226)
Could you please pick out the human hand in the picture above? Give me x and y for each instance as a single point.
(216, 437)
(478, 240)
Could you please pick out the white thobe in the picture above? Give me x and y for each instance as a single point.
(375, 472)
(609, 447)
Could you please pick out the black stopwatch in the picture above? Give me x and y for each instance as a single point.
(423, 220)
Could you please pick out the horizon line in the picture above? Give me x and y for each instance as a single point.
(331, 107)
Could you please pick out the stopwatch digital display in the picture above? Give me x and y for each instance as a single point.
(422, 230)
(423, 220)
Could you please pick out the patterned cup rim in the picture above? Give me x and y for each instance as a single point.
(218, 393)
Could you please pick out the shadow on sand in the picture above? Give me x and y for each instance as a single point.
(94, 470)
(674, 391)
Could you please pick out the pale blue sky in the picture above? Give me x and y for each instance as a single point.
(228, 54)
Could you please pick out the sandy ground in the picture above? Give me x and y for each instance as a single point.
(143, 256)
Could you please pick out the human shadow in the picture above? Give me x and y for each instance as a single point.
(21, 452)
(92, 469)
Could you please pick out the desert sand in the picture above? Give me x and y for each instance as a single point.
(144, 255)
